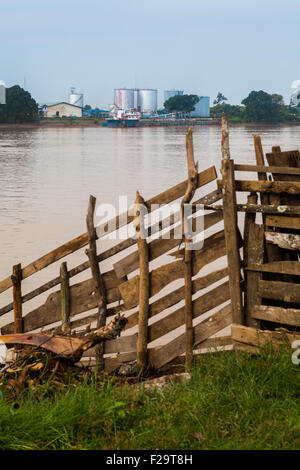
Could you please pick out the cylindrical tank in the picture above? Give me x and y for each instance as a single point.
(135, 98)
(147, 101)
(170, 93)
(124, 98)
(76, 98)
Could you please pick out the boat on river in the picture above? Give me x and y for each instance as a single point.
(123, 118)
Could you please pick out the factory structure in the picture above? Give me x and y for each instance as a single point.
(142, 99)
(145, 100)
(72, 108)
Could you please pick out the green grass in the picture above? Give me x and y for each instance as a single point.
(232, 402)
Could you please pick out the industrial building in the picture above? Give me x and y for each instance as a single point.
(62, 109)
(202, 108)
(145, 99)
(76, 98)
(170, 93)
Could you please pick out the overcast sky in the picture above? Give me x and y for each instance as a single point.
(200, 46)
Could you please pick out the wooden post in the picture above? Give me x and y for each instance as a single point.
(231, 228)
(17, 297)
(225, 139)
(188, 254)
(65, 298)
(144, 284)
(253, 255)
(96, 274)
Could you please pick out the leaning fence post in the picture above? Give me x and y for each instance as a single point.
(65, 298)
(188, 261)
(230, 226)
(17, 297)
(100, 291)
(144, 286)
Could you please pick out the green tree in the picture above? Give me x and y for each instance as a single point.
(261, 106)
(20, 107)
(235, 113)
(220, 98)
(87, 107)
(181, 103)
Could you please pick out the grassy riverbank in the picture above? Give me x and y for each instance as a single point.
(231, 403)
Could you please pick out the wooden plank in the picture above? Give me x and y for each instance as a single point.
(288, 241)
(210, 326)
(260, 338)
(214, 247)
(278, 267)
(267, 169)
(255, 256)
(260, 208)
(276, 187)
(82, 299)
(277, 290)
(177, 295)
(286, 316)
(283, 222)
(280, 159)
(65, 299)
(231, 236)
(201, 305)
(17, 296)
(160, 246)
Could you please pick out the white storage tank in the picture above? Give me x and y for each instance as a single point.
(76, 98)
(124, 98)
(147, 100)
(135, 98)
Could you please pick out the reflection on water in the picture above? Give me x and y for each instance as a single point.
(46, 175)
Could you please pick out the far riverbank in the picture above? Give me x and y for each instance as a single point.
(76, 123)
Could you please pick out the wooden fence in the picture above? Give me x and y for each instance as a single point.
(120, 291)
(257, 292)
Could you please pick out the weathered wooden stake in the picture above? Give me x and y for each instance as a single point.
(188, 254)
(144, 284)
(17, 297)
(253, 255)
(225, 139)
(100, 291)
(230, 227)
(65, 298)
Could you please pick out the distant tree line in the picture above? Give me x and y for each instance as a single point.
(259, 106)
(20, 107)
